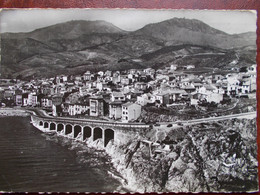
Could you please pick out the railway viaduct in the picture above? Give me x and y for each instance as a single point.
(83, 129)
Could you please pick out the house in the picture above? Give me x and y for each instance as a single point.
(88, 76)
(108, 73)
(117, 96)
(175, 95)
(207, 96)
(208, 79)
(96, 106)
(247, 86)
(217, 77)
(219, 89)
(115, 110)
(125, 80)
(45, 89)
(32, 99)
(25, 99)
(101, 73)
(18, 100)
(140, 86)
(145, 99)
(101, 86)
(189, 88)
(116, 77)
(206, 88)
(130, 96)
(130, 111)
(9, 94)
(162, 77)
(57, 110)
(197, 86)
(188, 67)
(162, 98)
(46, 102)
(57, 99)
(76, 109)
(173, 66)
(233, 85)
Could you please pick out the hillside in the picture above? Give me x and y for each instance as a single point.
(77, 46)
(179, 30)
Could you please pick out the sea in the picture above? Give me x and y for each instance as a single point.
(33, 161)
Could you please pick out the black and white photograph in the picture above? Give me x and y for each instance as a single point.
(128, 100)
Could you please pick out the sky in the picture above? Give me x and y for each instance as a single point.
(26, 20)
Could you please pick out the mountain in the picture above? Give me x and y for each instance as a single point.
(77, 46)
(180, 30)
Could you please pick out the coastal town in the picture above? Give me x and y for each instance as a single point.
(125, 96)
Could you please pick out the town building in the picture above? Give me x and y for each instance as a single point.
(96, 106)
(77, 109)
(115, 110)
(130, 111)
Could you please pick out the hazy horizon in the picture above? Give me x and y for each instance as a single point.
(27, 20)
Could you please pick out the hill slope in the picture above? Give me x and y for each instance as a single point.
(77, 46)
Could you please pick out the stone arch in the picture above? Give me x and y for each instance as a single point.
(41, 123)
(52, 126)
(77, 130)
(97, 133)
(86, 132)
(60, 127)
(68, 129)
(46, 125)
(109, 135)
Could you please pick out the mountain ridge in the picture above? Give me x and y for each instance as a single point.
(98, 45)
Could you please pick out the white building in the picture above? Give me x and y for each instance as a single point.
(207, 95)
(130, 111)
(46, 102)
(117, 96)
(96, 106)
(75, 109)
(115, 110)
(145, 99)
(32, 99)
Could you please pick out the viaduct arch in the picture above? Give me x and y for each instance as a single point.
(52, 126)
(68, 129)
(77, 130)
(98, 133)
(87, 132)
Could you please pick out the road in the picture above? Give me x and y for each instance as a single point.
(43, 114)
(218, 118)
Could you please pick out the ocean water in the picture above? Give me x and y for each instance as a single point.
(32, 161)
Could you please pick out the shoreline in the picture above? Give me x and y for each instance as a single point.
(126, 184)
(13, 112)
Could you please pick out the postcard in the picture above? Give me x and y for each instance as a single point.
(128, 100)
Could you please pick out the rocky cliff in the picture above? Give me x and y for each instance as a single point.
(212, 157)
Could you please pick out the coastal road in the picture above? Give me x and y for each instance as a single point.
(249, 115)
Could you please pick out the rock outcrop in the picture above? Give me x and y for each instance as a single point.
(212, 157)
